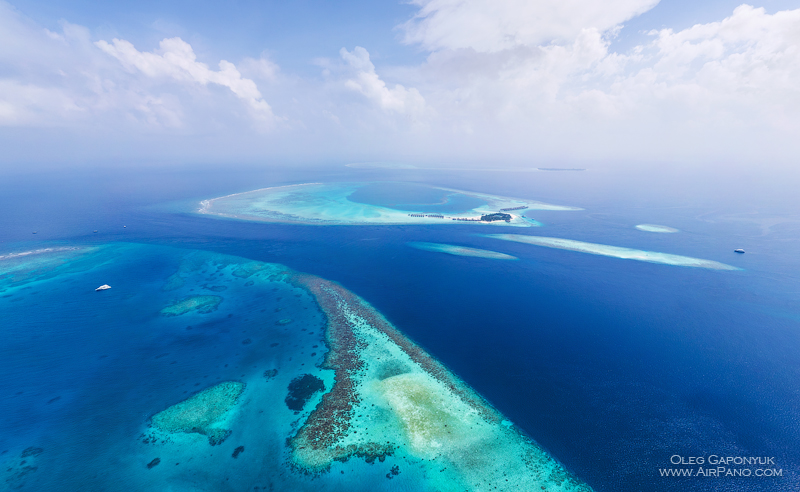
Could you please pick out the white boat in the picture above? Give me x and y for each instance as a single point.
(103, 287)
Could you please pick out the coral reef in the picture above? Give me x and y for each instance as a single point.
(201, 304)
(390, 398)
(201, 413)
(301, 389)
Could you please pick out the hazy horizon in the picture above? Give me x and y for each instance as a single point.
(637, 83)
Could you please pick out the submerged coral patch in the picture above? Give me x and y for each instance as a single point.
(31, 452)
(215, 288)
(202, 413)
(16, 472)
(174, 282)
(201, 304)
(301, 389)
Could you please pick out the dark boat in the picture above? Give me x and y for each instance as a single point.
(740, 251)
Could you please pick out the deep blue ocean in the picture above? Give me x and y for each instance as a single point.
(614, 366)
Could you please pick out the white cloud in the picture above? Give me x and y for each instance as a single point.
(25, 104)
(62, 79)
(495, 25)
(261, 69)
(176, 59)
(750, 53)
(741, 71)
(34, 90)
(396, 100)
(712, 89)
(506, 80)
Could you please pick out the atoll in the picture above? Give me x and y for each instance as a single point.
(343, 204)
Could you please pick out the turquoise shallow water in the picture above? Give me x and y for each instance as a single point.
(194, 369)
(360, 203)
(85, 371)
(414, 198)
(612, 365)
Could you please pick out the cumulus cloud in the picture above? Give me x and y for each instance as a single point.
(33, 89)
(176, 59)
(260, 69)
(367, 82)
(63, 78)
(750, 54)
(495, 25)
(741, 70)
(506, 79)
(720, 85)
(24, 104)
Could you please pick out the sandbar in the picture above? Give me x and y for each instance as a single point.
(614, 251)
(656, 228)
(452, 249)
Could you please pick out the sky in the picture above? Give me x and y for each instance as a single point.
(420, 82)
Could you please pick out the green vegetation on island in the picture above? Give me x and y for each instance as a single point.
(496, 216)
